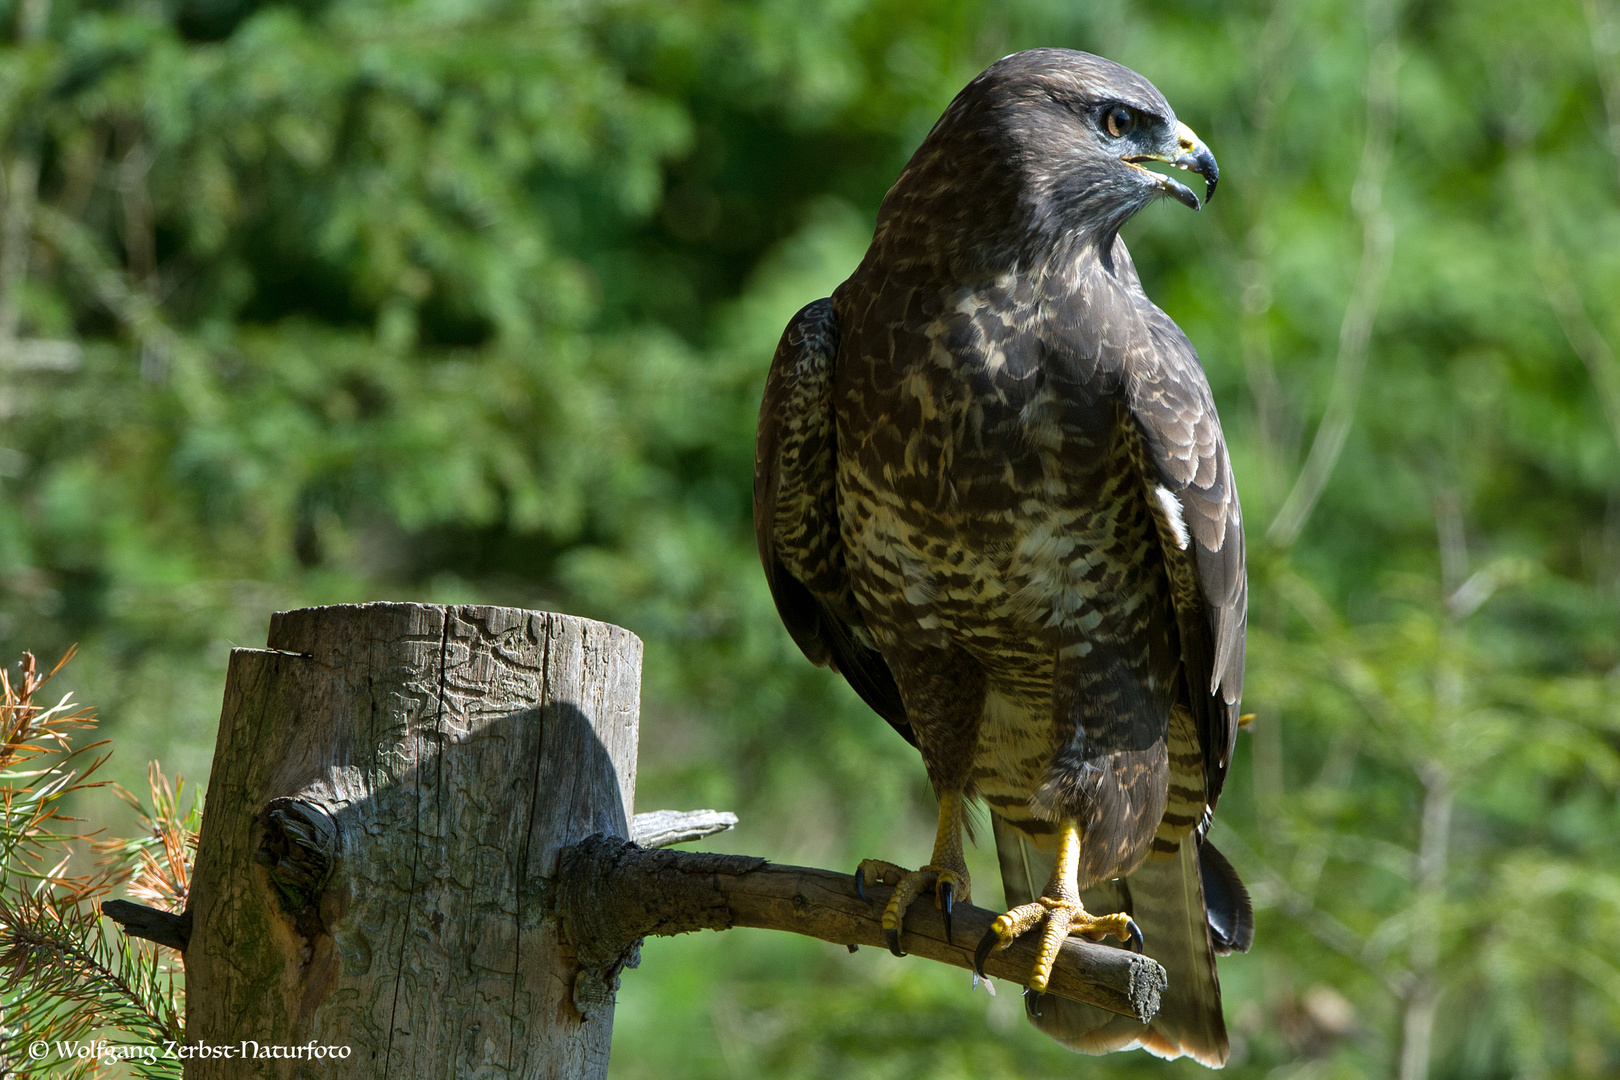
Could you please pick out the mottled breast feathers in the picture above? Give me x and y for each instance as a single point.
(1097, 344)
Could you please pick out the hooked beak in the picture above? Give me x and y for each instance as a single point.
(1191, 154)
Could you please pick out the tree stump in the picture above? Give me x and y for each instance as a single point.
(390, 789)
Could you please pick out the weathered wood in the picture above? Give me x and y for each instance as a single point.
(390, 789)
(661, 828)
(655, 829)
(611, 893)
(153, 924)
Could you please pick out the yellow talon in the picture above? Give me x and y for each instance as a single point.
(877, 872)
(946, 875)
(1060, 909)
(943, 882)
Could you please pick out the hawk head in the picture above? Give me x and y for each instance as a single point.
(1049, 143)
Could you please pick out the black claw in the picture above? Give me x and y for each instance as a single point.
(945, 895)
(860, 883)
(982, 953)
(1032, 1001)
(893, 938)
(1135, 944)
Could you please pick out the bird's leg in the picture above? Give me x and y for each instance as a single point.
(946, 874)
(1060, 908)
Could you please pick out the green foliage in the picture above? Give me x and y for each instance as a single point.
(68, 981)
(338, 300)
(93, 996)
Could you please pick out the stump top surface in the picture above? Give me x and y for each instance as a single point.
(292, 630)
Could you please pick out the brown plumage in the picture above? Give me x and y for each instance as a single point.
(992, 491)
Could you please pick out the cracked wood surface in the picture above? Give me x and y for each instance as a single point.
(454, 751)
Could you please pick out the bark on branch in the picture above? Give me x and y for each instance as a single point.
(611, 893)
(153, 924)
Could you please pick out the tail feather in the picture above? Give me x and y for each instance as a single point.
(1165, 895)
(1231, 915)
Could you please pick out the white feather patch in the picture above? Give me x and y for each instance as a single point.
(1172, 512)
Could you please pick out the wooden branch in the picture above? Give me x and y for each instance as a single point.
(153, 924)
(297, 852)
(610, 893)
(661, 828)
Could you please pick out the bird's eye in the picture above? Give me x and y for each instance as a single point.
(1119, 121)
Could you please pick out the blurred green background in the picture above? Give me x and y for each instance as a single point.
(472, 300)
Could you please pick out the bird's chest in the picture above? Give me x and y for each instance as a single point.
(984, 498)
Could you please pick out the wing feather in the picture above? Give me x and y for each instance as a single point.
(1169, 397)
(796, 514)
(1112, 339)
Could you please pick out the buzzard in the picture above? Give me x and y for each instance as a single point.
(992, 492)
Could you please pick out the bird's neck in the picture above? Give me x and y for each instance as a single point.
(1058, 265)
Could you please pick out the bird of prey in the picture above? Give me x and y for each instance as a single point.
(992, 492)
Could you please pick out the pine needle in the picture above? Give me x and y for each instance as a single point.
(64, 975)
